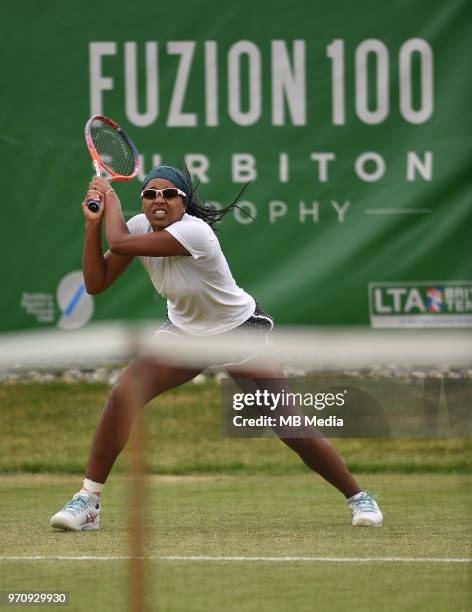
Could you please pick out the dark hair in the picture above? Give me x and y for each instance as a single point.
(207, 211)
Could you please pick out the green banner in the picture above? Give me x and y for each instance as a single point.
(352, 122)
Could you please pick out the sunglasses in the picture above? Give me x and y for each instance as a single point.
(168, 193)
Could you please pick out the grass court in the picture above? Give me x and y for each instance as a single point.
(237, 525)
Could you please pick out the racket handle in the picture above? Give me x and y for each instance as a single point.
(93, 206)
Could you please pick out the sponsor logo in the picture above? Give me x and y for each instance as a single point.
(434, 299)
(75, 303)
(420, 304)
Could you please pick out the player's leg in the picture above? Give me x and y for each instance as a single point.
(139, 383)
(314, 449)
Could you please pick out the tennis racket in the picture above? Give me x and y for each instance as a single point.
(112, 150)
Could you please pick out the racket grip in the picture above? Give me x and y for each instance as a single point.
(93, 206)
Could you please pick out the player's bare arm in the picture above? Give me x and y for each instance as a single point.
(120, 241)
(100, 270)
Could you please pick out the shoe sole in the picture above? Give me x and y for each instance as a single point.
(64, 526)
(366, 523)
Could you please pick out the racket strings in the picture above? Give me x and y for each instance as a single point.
(112, 148)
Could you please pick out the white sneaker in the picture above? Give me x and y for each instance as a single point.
(81, 513)
(365, 511)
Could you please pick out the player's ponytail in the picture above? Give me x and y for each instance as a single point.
(209, 212)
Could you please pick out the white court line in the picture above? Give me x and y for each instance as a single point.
(235, 558)
(397, 211)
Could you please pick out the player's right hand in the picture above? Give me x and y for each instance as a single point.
(95, 217)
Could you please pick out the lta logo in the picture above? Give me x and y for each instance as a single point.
(421, 304)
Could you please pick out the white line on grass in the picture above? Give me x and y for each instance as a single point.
(233, 558)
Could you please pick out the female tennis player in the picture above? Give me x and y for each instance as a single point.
(175, 242)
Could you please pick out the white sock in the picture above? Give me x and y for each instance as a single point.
(92, 487)
(356, 496)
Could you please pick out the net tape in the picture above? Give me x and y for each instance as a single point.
(317, 349)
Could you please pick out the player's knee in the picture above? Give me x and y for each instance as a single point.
(119, 397)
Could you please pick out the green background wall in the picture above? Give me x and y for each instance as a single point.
(410, 228)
